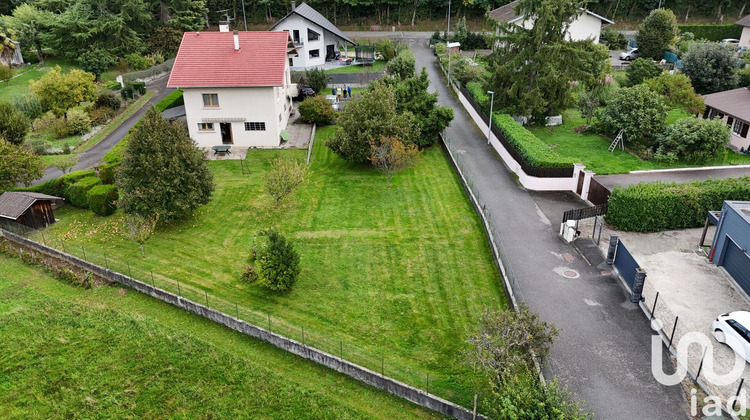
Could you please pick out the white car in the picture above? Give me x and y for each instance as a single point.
(732, 328)
(729, 41)
(630, 54)
(334, 100)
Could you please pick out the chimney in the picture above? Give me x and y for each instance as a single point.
(236, 41)
(223, 26)
(294, 5)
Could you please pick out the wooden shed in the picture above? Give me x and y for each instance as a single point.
(28, 208)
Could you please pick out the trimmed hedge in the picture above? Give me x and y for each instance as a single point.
(59, 186)
(661, 206)
(477, 91)
(534, 151)
(78, 192)
(713, 32)
(172, 100)
(102, 199)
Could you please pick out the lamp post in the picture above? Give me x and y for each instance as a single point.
(447, 41)
(489, 125)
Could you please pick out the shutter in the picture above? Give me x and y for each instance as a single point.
(730, 120)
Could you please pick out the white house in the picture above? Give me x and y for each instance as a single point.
(745, 37)
(315, 37)
(733, 107)
(588, 25)
(237, 86)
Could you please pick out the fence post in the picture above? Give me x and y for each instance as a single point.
(179, 292)
(236, 310)
(106, 263)
(303, 336)
(269, 321)
(674, 328)
(653, 309)
(153, 283)
(474, 412)
(63, 246)
(640, 279)
(382, 366)
(130, 273)
(734, 403)
(612, 249)
(43, 239)
(84, 253)
(206, 297)
(700, 367)
(341, 349)
(428, 383)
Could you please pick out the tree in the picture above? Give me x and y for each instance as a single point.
(95, 62)
(694, 140)
(165, 40)
(59, 92)
(14, 125)
(367, 119)
(186, 15)
(18, 166)
(317, 79)
(391, 157)
(278, 263)
(403, 65)
(316, 109)
(27, 22)
(641, 69)
(588, 103)
(677, 91)
(386, 48)
(140, 228)
(711, 67)
(66, 163)
(6, 73)
(285, 175)
(162, 172)
(532, 68)
(638, 111)
(657, 32)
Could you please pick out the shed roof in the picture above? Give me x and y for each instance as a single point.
(507, 14)
(745, 21)
(735, 102)
(14, 203)
(741, 207)
(313, 16)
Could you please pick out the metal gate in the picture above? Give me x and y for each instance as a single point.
(737, 263)
(598, 194)
(626, 264)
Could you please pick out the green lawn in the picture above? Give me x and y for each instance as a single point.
(67, 352)
(19, 86)
(376, 67)
(592, 149)
(396, 276)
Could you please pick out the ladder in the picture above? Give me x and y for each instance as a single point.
(617, 140)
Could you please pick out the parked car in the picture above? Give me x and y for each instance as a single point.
(305, 92)
(629, 55)
(732, 329)
(334, 101)
(729, 41)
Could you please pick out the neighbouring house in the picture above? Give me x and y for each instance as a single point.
(10, 54)
(588, 25)
(733, 107)
(27, 208)
(236, 86)
(745, 37)
(316, 38)
(729, 248)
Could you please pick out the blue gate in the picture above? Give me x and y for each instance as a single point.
(626, 264)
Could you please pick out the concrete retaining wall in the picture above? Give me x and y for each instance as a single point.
(338, 364)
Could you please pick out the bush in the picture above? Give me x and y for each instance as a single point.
(248, 275)
(641, 69)
(78, 122)
(139, 87)
(744, 77)
(278, 263)
(29, 105)
(100, 116)
(77, 194)
(45, 122)
(102, 199)
(108, 173)
(60, 186)
(316, 109)
(660, 206)
(713, 32)
(112, 85)
(137, 62)
(480, 95)
(172, 100)
(39, 147)
(95, 62)
(60, 128)
(108, 100)
(657, 32)
(316, 79)
(386, 48)
(403, 65)
(711, 67)
(615, 40)
(638, 111)
(693, 140)
(534, 151)
(13, 124)
(127, 92)
(115, 155)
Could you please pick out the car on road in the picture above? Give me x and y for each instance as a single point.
(305, 92)
(732, 329)
(334, 101)
(729, 41)
(630, 54)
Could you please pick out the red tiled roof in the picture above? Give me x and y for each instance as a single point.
(208, 59)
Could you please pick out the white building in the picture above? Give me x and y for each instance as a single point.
(315, 37)
(237, 86)
(587, 25)
(745, 37)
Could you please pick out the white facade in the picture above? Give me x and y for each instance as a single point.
(745, 37)
(585, 26)
(312, 52)
(242, 117)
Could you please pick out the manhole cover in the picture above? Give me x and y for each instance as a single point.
(571, 274)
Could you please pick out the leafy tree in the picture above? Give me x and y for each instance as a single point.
(18, 166)
(13, 124)
(316, 109)
(391, 157)
(711, 67)
(6, 73)
(165, 40)
(66, 163)
(59, 92)
(527, 70)
(140, 228)
(615, 40)
(588, 103)
(403, 65)
(638, 111)
(317, 79)
(27, 21)
(677, 91)
(95, 62)
(367, 119)
(285, 175)
(657, 32)
(694, 140)
(161, 171)
(278, 263)
(641, 69)
(386, 48)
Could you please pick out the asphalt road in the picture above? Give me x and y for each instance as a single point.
(610, 181)
(94, 155)
(603, 351)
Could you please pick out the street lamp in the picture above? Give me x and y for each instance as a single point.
(489, 128)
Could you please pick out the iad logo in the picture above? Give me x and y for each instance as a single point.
(704, 346)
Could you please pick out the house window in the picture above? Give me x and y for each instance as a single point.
(255, 126)
(210, 99)
(314, 53)
(312, 35)
(205, 126)
(740, 128)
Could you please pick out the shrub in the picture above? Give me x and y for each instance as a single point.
(137, 62)
(660, 206)
(744, 77)
(77, 194)
(316, 79)
(112, 85)
(711, 67)
(78, 122)
(278, 263)
(102, 199)
(693, 140)
(615, 40)
(403, 65)
(248, 274)
(29, 105)
(6, 73)
(386, 48)
(60, 128)
(108, 173)
(479, 93)
(316, 109)
(45, 122)
(534, 151)
(39, 147)
(13, 124)
(108, 100)
(638, 111)
(95, 62)
(712, 32)
(139, 87)
(172, 100)
(100, 116)
(641, 69)
(127, 92)
(60, 186)
(657, 32)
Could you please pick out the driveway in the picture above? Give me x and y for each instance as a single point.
(603, 351)
(672, 175)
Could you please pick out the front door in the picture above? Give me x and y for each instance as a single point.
(330, 54)
(226, 133)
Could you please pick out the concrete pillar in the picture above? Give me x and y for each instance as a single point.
(640, 279)
(612, 249)
(587, 175)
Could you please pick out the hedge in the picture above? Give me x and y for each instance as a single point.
(78, 192)
(713, 32)
(172, 100)
(534, 151)
(660, 206)
(477, 91)
(59, 186)
(102, 198)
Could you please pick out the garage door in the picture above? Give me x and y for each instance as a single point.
(737, 264)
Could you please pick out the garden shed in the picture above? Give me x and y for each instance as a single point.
(732, 241)
(27, 208)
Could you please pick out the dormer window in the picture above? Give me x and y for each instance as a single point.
(312, 35)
